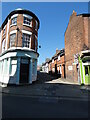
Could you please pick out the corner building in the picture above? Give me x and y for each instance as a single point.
(18, 48)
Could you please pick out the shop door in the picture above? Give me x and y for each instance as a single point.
(24, 71)
(87, 74)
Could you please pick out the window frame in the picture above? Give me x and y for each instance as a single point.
(27, 41)
(3, 45)
(4, 30)
(12, 24)
(10, 45)
(28, 18)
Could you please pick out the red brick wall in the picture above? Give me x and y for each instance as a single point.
(76, 40)
(18, 41)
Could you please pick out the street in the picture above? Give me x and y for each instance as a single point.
(27, 107)
(48, 97)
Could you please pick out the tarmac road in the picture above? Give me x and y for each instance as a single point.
(16, 106)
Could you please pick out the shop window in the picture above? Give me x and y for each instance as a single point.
(6, 66)
(12, 39)
(26, 40)
(3, 45)
(13, 67)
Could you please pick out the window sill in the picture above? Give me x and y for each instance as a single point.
(13, 25)
(27, 25)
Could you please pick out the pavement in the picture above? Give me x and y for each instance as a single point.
(49, 86)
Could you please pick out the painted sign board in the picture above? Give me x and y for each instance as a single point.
(70, 67)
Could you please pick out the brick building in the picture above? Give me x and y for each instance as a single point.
(18, 47)
(56, 65)
(77, 40)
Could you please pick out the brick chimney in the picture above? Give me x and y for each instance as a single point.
(74, 13)
(57, 50)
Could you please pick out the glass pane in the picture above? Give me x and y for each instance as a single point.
(86, 70)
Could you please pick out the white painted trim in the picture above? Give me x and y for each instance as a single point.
(26, 32)
(86, 51)
(28, 16)
(15, 15)
(11, 54)
(13, 25)
(86, 63)
(80, 73)
(28, 25)
(12, 32)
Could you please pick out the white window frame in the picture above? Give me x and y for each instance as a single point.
(13, 17)
(29, 17)
(36, 27)
(27, 41)
(3, 45)
(10, 40)
(59, 58)
(52, 60)
(60, 69)
(4, 30)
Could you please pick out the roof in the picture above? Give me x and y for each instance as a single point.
(59, 52)
(55, 55)
(21, 11)
(84, 15)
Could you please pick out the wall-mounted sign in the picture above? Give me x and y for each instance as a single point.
(70, 67)
(76, 58)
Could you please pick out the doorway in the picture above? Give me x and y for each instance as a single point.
(87, 74)
(64, 71)
(55, 68)
(24, 71)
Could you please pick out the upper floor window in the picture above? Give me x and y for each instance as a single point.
(36, 44)
(36, 27)
(26, 40)
(14, 21)
(4, 29)
(27, 21)
(12, 39)
(53, 61)
(3, 45)
(58, 57)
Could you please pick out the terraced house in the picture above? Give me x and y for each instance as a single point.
(77, 48)
(18, 48)
(56, 65)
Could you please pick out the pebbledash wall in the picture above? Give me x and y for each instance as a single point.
(77, 48)
(18, 48)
